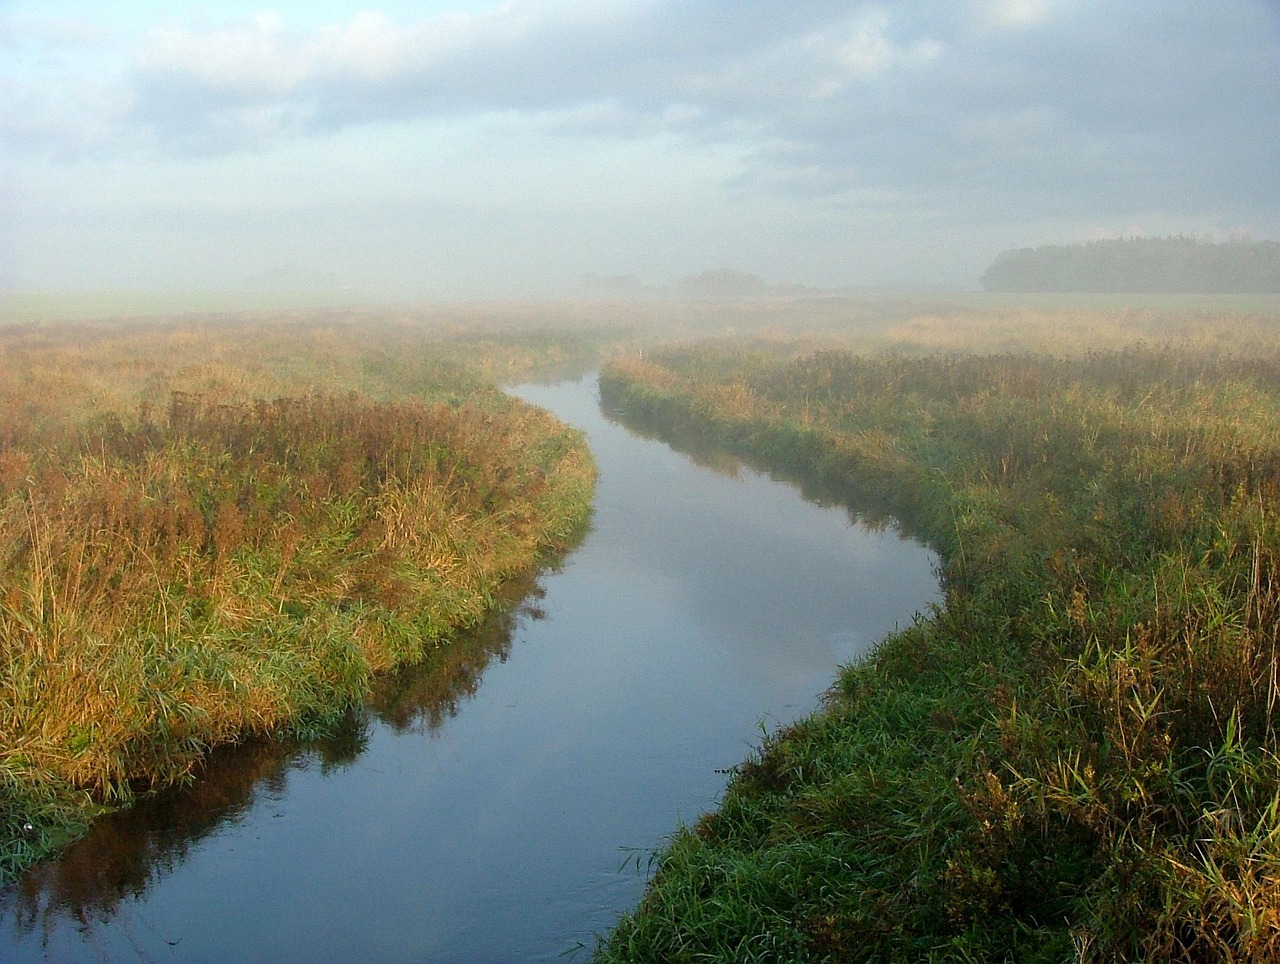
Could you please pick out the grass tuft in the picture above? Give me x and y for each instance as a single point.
(1074, 757)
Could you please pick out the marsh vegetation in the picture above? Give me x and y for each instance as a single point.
(220, 529)
(706, 601)
(1076, 754)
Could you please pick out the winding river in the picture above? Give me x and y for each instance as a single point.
(507, 813)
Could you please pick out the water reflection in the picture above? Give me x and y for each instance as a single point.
(126, 853)
(866, 508)
(422, 697)
(701, 605)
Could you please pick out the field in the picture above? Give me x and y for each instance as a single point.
(1075, 755)
(215, 528)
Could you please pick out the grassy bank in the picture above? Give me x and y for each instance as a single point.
(1075, 756)
(222, 528)
(124, 854)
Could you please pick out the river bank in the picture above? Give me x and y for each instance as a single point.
(513, 821)
(205, 543)
(1075, 756)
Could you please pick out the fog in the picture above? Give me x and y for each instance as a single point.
(558, 147)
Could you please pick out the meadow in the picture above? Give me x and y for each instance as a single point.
(1075, 755)
(218, 528)
(221, 526)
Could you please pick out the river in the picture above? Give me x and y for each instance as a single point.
(508, 813)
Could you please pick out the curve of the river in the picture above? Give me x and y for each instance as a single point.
(507, 813)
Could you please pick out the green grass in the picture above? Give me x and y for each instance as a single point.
(224, 564)
(258, 588)
(1075, 756)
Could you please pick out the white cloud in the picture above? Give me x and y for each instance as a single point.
(1021, 13)
(858, 45)
(194, 80)
(903, 115)
(860, 49)
(20, 31)
(251, 57)
(60, 86)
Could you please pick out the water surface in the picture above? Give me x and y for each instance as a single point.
(490, 817)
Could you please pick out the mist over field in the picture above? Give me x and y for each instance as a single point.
(531, 148)
(331, 333)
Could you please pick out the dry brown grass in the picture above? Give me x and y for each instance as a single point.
(214, 529)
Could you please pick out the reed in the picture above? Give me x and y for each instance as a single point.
(194, 569)
(1076, 755)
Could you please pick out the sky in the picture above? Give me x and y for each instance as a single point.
(521, 148)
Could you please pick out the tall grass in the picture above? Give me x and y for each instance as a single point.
(223, 564)
(1075, 756)
(125, 853)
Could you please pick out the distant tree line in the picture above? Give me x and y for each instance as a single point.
(1173, 264)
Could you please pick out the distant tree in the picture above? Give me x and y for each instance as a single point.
(1172, 264)
(722, 283)
(726, 283)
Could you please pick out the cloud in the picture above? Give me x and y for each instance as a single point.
(19, 32)
(887, 92)
(1087, 112)
(60, 88)
(1021, 13)
(915, 111)
(650, 60)
(194, 84)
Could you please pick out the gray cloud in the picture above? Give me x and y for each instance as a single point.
(906, 96)
(929, 111)
(1143, 106)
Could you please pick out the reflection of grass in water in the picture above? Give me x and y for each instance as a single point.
(218, 565)
(704, 449)
(1077, 755)
(426, 694)
(126, 852)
